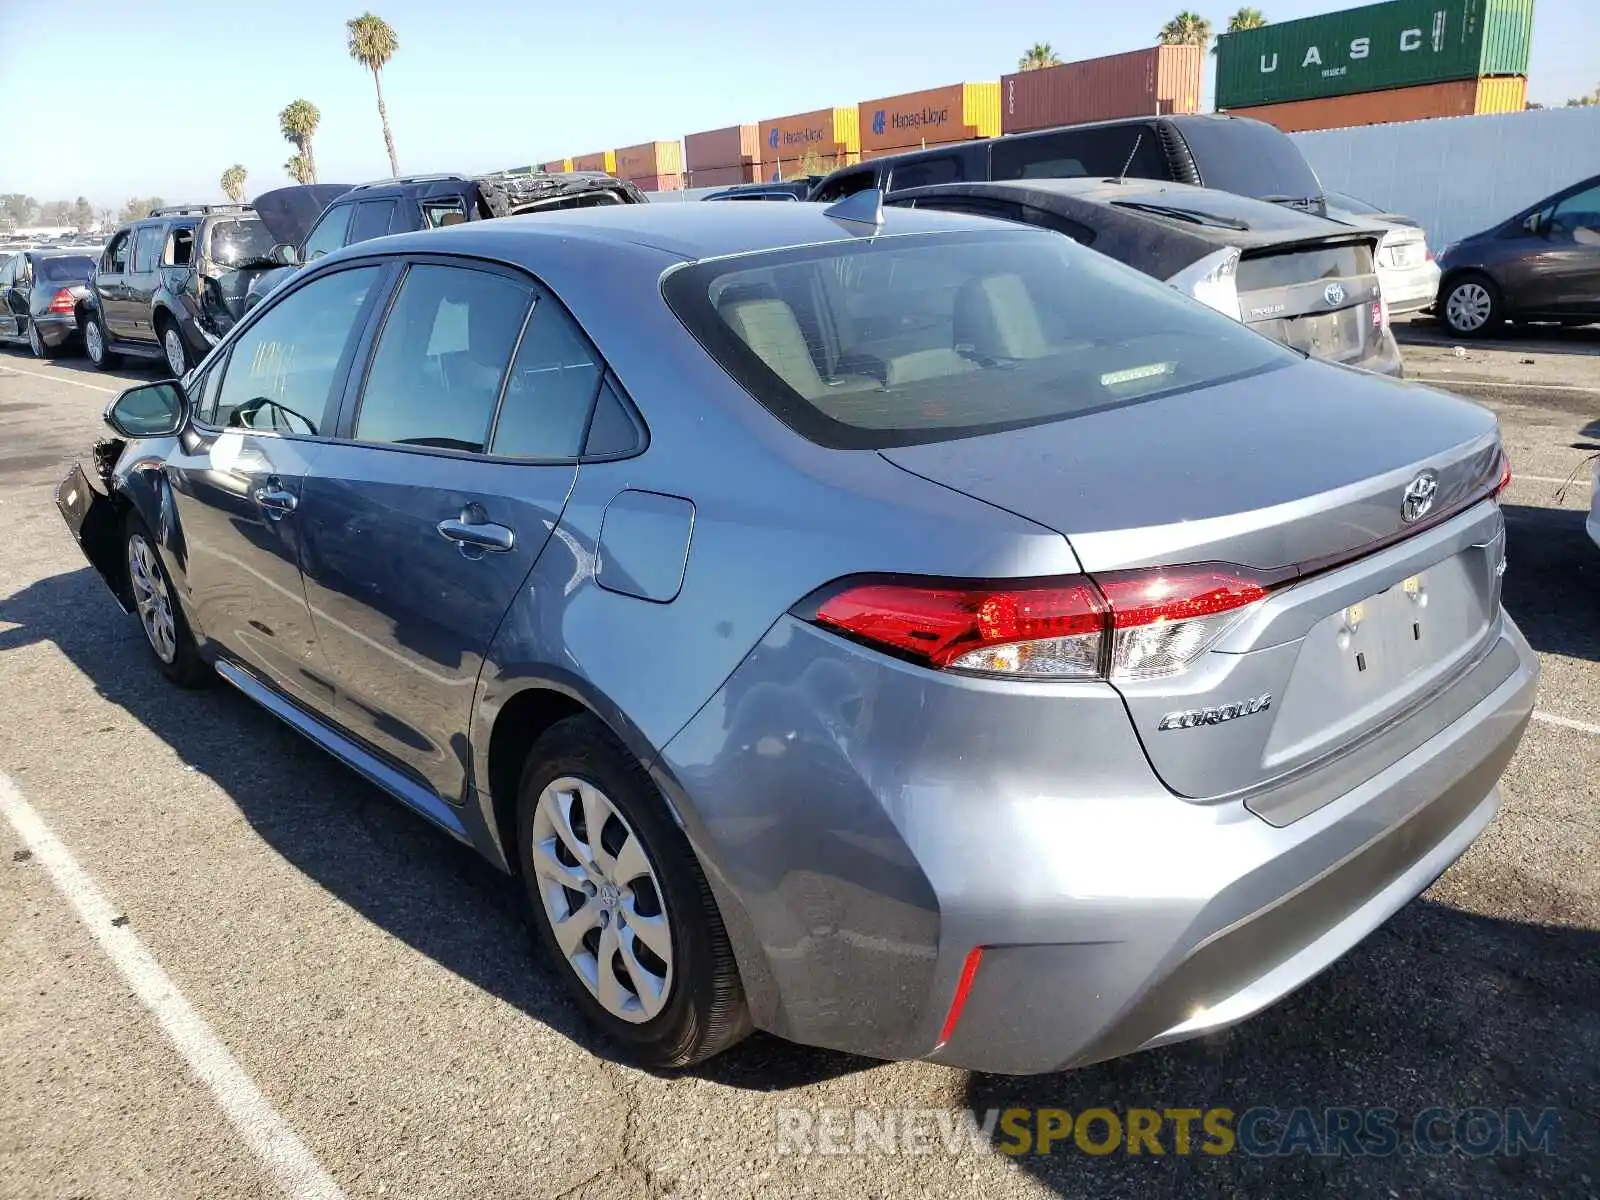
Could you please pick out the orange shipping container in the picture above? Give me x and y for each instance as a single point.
(649, 159)
(1141, 83)
(658, 183)
(1460, 98)
(749, 172)
(731, 147)
(557, 165)
(831, 132)
(955, 113)
(604, 160)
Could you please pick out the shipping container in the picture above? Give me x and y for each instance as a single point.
(557, 165)
(1457, 98)
(1402, 43)
(700, 177)
(658, 183)
(602, 160)
(827, 136)
(734, 146)
(933, 117)
(1141, 83)
(649, 159)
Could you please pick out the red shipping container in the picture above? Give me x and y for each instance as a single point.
(1141, 83)
(658, 183)
(723, 176)
(731, 147)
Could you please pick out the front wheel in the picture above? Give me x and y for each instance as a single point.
(37, 343)
(97, 345)
(1472, 307)
(165, 629)
(620, 903)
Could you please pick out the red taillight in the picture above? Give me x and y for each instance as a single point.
(1505, 475)
(63, 302)
(969, 972)
(1128, 624)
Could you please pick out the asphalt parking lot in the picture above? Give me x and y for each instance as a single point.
(369, 1018)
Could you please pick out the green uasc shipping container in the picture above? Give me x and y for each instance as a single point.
(1398, 44)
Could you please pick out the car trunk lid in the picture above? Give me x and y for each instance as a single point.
(1301, 472)
(1321, 298)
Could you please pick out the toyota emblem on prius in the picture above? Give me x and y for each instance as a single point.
(1418, 497)
(1333, 294)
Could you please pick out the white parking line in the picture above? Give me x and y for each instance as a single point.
(1489, 383)
(59, 377)
(1579, 479)
(290, 1162)
(1566, 722)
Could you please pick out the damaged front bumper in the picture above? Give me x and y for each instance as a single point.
(95, 521)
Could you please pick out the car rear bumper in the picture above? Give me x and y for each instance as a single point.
(866, 825)
(1410, 289)
(56, 331)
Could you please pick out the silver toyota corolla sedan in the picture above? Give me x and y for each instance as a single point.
(903, 632)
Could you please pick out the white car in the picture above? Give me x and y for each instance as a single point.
(1406, 270)
(1593, 523)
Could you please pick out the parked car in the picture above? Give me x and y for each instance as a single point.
(1300, 279)
(1541, 265)
(787, 189)
(309, 222)
(40, 292)
(1230, 154)
(169, 285)
(952, 646)
(1406, 269)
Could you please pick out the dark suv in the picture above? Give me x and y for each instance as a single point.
(1230, 154)
(369, 210)
(169, 286)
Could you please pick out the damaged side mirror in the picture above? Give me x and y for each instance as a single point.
(150, 410)
(284, 255)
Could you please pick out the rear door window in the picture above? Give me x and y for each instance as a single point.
(551, 388)
(919, 338)
(442, 358)
(372, 220)
(328, 235)
(1103, 153)
(841, 186)
(925, 172)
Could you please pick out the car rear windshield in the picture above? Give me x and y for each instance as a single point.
(1249, 158)
(65, 268)
(240, 241)
(1303, 265)
(893, 341)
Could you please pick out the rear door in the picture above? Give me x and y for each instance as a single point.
(372, 218)
(261, 417)
(456, 456)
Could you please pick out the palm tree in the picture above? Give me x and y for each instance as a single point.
(372, 44)
(233, 183)
(1186, 29)
(298, 124)
(299, 169)
(1245, 18)
(1039, 55)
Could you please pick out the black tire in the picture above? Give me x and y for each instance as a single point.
(94, 327)
(1471, 284)
(185, 667)
(37, 344)
(704, 1012)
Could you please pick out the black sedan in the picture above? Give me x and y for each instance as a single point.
(1301, 279)
(1541, 265)
(39, 295)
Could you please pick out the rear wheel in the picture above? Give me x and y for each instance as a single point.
(165, 629)
(97, 345)
(37, 343)
(173, 346)
(619, 902)
(1472, 306)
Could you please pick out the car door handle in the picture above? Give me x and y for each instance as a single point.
(274, 500)
(475, 533)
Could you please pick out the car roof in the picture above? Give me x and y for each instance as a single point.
(683, 231)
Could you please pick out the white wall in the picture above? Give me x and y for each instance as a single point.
(1458, 175)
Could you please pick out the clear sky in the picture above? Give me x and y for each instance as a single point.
(157, 99)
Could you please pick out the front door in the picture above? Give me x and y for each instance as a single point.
(132, 317)
(8, 279)
(110, 277)
(420, 529)
(238, 475)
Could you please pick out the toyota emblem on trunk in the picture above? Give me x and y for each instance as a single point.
(1418, 497)
(1333, 294)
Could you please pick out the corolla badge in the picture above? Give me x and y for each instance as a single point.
(1190, 718)
(1417, 499)
(1333, 294)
